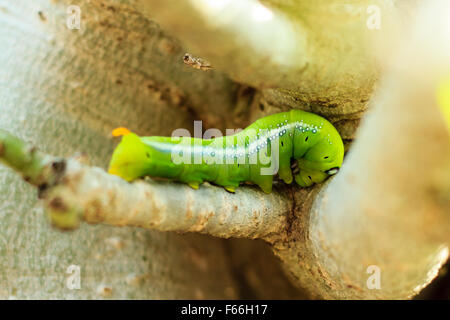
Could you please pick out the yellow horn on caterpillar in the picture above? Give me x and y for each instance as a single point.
(120, 131)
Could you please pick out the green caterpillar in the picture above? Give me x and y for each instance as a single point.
(253, 155)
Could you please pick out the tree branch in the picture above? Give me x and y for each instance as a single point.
(386, 207)
(74, 192)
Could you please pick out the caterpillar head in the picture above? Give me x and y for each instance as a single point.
(322, 160)
(325, 157)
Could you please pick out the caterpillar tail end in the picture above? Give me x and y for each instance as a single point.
(129, 159)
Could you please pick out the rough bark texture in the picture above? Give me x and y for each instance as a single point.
(327, 64)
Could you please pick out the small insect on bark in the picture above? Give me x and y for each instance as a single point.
(42, 16)
(196, 63)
